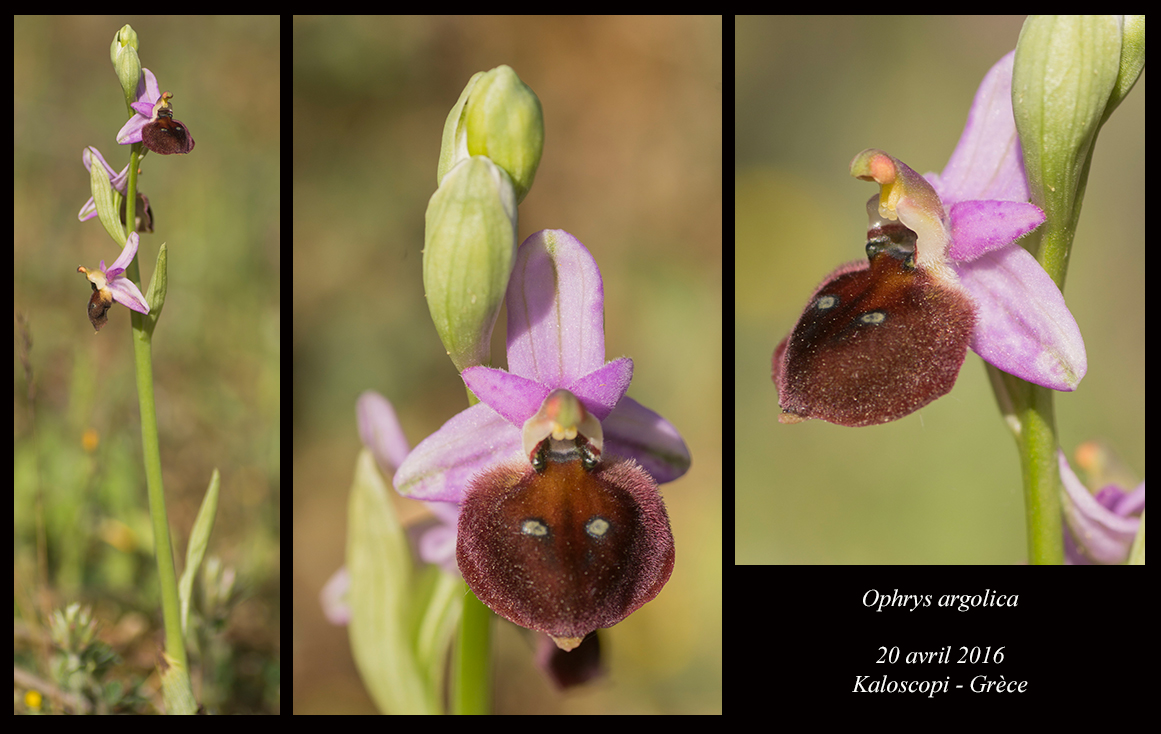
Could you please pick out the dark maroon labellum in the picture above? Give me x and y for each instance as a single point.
(166, 135)
(879, 339)
(99, 304)
(566, 543)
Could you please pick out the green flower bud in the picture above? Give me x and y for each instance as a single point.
(1063, 79)
(125, 37)
(469, 247)
(1065, 70)
(1132, 59)
(123, 54)
(454, 145)
(497, 116)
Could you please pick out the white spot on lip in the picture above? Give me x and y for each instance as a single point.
(534, 528)
(597, 527)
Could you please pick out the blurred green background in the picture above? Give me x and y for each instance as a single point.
(216, 350)
(942, 485)
(631, 167)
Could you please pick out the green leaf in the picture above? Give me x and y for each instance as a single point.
(107, 201)
(383, 615)
(155, 296)
(199, 539)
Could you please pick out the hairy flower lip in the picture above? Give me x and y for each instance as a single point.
(565, 549)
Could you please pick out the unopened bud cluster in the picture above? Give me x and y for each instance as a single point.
(492, 142)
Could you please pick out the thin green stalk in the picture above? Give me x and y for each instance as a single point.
(142, 338)
(1035, 408)
(1037, 447)
(472, 669)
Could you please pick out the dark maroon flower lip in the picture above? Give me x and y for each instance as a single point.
(566, 544)
(163, 134)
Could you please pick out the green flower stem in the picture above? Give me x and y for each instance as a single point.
(1037, 441)
(1034, 413)
(472, 668)
(1037, 447)
(1029, 411)
(142, 339)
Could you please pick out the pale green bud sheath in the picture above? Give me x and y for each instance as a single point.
(453, 147)
(123, 54)
(469, 246)
(1065, 75)
(1132, 58)
(498, 116)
